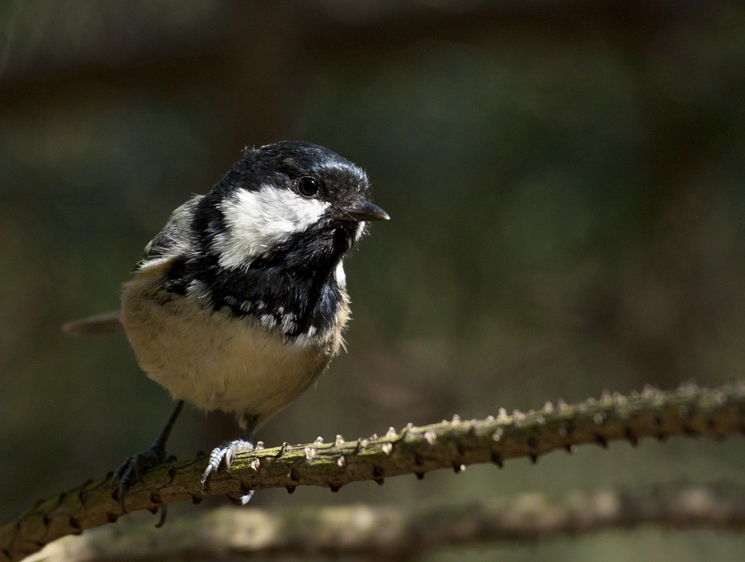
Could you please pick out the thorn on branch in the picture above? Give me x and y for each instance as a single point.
(281, 452)
(690, 431)
(378, 475)
(75, 524)
(631, 437)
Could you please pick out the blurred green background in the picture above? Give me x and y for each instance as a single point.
(566, 181)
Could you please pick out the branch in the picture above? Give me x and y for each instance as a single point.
(394, 533)
(689, 410)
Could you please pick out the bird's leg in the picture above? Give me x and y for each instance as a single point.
(227, 450)
(137, 464)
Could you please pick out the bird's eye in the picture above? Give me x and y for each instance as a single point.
(307, 187)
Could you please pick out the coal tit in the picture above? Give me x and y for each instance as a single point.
(239, 303)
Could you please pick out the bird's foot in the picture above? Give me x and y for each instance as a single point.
(133, 467)
(226, 451)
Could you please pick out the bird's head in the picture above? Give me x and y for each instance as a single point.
(297, 198)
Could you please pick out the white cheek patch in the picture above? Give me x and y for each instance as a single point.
(256, 221)
(341, 277)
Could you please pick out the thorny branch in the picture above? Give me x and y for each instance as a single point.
(393, 533)
(689, 410)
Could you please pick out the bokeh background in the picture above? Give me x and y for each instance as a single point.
(567, 185)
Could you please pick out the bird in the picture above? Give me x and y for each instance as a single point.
(240, 302)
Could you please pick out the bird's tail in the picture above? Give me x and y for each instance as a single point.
(107, 323)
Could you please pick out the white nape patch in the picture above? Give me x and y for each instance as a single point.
(341, 277)
(258, 220)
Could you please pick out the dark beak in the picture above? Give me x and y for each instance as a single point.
(364, 211)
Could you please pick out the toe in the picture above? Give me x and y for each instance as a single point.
(206, 475)
(240, 499)
(226, 451)
(124, 483)
(133, 468)
(122, 470)
(214, 463)
(122, 495)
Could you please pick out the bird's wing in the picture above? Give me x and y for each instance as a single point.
(107, 323)
(176, 236)
(159, 253)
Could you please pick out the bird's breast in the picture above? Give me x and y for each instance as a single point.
(216, 360)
